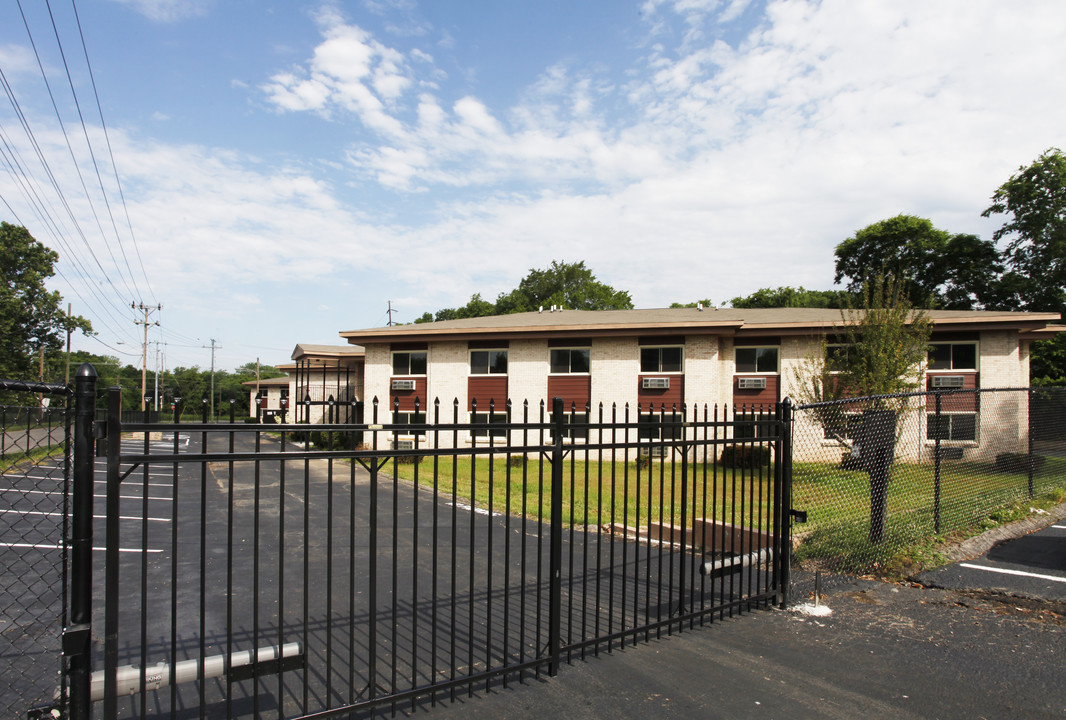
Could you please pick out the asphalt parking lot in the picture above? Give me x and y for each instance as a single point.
(1027, 560)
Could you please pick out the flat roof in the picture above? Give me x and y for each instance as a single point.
(677, 321)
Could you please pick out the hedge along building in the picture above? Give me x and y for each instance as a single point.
(735, 359)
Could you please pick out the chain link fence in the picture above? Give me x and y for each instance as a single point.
(880, 474)
(34, 496)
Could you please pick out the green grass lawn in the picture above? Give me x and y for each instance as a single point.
(838, 505)
(597, 493)
(837, 501)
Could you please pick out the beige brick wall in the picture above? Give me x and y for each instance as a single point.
(615, 365)
(527, 374)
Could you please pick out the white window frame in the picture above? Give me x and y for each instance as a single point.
(757, 348)
(585, 348)
(406, 417)
(953, 369)
(470, 361)
(392, 363)
(964, 442)
(660, 371)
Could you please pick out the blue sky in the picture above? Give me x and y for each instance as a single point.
(286, 170)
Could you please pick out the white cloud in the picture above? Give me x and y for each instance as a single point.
(169, 10)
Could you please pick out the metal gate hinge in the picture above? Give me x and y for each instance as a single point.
(799, 516)
(76, 640)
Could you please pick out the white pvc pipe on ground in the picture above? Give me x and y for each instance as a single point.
(128, 677)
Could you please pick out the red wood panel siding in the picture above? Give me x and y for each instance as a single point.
(571, 388)
(407, 397)
(485, 388)
(672, 396)
(751, 398)
(961, 402)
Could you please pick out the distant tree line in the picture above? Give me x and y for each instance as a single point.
(191, 384)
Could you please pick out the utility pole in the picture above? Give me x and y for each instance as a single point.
(213, 348)
(390, 313)
(144, 354)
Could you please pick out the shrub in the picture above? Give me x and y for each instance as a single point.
(747, 456)
(1018, 462)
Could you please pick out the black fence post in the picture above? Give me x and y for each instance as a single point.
(1030, 460)
(111, 551)
(555, 542)
(783, 491)
(81, 546)
(938, 424)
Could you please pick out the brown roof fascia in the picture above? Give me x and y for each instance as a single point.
(388, 335)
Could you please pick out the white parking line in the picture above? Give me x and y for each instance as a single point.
(101, 496)
(1005, 571)
(60, 547)
(1059, 527)
(98, 517)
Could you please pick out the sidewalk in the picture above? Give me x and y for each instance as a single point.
(886, 651)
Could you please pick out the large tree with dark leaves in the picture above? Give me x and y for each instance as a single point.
(937, 269)
(1034, 201)
(31, 317)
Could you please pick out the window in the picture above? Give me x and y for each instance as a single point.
(488, 362)
(756, 359)
(953, 356)
(840, 425)
(659, 426)
(570, 360)
(576, 426)
(488, 419)
(952, 427)
(660, 359)
(409, 418)
(409, 363)
(752, 426)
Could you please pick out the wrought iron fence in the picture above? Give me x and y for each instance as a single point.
(879, 474)
(266, 578)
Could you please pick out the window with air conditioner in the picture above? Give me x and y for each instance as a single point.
(489, 419)
(414, 421)
(666, 359)
(953, 356)
(409, 362)
(756, 359)
(959, 427)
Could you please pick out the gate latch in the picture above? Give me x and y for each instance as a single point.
(799, 516)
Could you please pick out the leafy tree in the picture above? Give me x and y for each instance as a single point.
(937, 269)
(1034, 201)
(790, 297)
(568, 285)
(706, 302)
(880, 355)
(31, 317)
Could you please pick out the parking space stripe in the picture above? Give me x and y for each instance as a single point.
(97, 517)
(1006, 571)
(34, 546)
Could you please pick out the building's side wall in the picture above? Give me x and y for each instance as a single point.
(1003, 419)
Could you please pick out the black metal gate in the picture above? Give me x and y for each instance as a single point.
(249, 572)
(42, 541)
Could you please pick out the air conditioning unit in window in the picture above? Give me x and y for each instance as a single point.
(655, 383)
(751, 384)
(947, 381)
(403, 384)
(403, 444)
